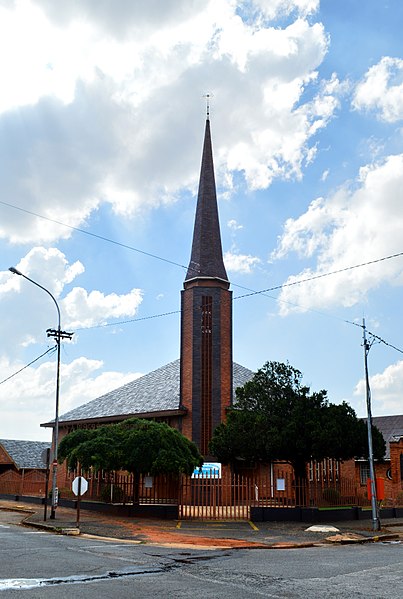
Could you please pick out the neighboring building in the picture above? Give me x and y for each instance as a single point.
(391, 470)
(22, 466)
(192, 393)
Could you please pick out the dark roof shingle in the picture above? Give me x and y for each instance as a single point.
(157, 391)
(390, 427)
(25, 454)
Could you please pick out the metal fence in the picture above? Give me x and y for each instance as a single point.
(113, 487)
(205, 496)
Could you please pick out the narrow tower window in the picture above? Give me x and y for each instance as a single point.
(206, 372)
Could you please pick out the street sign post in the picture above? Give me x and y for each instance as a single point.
(79, 487)
(46, 459)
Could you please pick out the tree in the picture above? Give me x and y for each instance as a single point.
(138, 446)
(277, 418)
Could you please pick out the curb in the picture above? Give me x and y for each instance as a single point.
(352, 541)
(203, 542)
(253, 545)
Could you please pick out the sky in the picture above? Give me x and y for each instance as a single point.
(102, 114)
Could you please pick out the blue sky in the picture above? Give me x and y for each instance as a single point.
(101, 129)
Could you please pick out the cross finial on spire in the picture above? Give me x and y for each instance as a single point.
(207, 97)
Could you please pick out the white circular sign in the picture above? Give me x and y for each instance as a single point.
(83, 487)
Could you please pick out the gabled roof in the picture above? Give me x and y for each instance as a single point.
(206, 260)
(390, 427)
(154, 394)
(25, 454)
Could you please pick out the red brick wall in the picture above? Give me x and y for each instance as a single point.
(186, 373)
(226, 352)
(192, 354)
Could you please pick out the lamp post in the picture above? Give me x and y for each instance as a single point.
(58, 334)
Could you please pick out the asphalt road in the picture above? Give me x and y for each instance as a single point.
(36, 564)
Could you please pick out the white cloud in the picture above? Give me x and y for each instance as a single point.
(274, 8)
(382, 90)
(240, 263)
(28, 399)
(83, 309)
(106, 119)
(386, 390)
(233, 225)
(356, 225)
(47, 266)
(79, 307)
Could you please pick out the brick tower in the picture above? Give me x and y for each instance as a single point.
(206, 325)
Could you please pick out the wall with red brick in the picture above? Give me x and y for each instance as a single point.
(194, 360)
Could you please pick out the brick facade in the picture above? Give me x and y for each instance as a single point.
(206, 359)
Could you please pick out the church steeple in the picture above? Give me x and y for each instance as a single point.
(206, 322)
(206, 259)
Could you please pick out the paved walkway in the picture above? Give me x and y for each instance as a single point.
(203, 534)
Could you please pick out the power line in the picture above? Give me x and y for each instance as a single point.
(51, 349)
(112, 324)
(321, 276)
(251, 291)
(384, 342)
(263, 292)
(167, 260)
(95, 235)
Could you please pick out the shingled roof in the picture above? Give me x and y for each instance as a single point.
(25, 454)
(154, 394)
(391, 428)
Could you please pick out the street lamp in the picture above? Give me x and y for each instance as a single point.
(58, 334)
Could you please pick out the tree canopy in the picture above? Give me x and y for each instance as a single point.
(138, 446)
(275, 417)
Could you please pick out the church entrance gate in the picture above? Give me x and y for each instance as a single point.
(225, 498)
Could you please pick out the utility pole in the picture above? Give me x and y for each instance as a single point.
(57, 334)
(376, 524)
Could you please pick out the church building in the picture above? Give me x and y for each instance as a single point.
(192, 393)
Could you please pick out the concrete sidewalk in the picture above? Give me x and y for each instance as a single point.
(203, 534)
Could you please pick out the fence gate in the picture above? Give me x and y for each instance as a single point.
(213, 498)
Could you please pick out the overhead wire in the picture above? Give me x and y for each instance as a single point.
(95, 235)
(161, 258)
(263, 292)
(51, 349)
(384, 342)
(250, 293)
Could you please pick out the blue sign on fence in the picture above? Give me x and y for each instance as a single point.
(208, 470)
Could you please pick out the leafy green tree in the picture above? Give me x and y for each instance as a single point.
(277, 418)
(138, 446)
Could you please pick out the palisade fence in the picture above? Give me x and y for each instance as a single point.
(204, 496)
(229, 496)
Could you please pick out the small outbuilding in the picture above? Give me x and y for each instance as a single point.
(22, 467)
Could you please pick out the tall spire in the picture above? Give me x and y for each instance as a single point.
(206, 318)
(206, 259)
